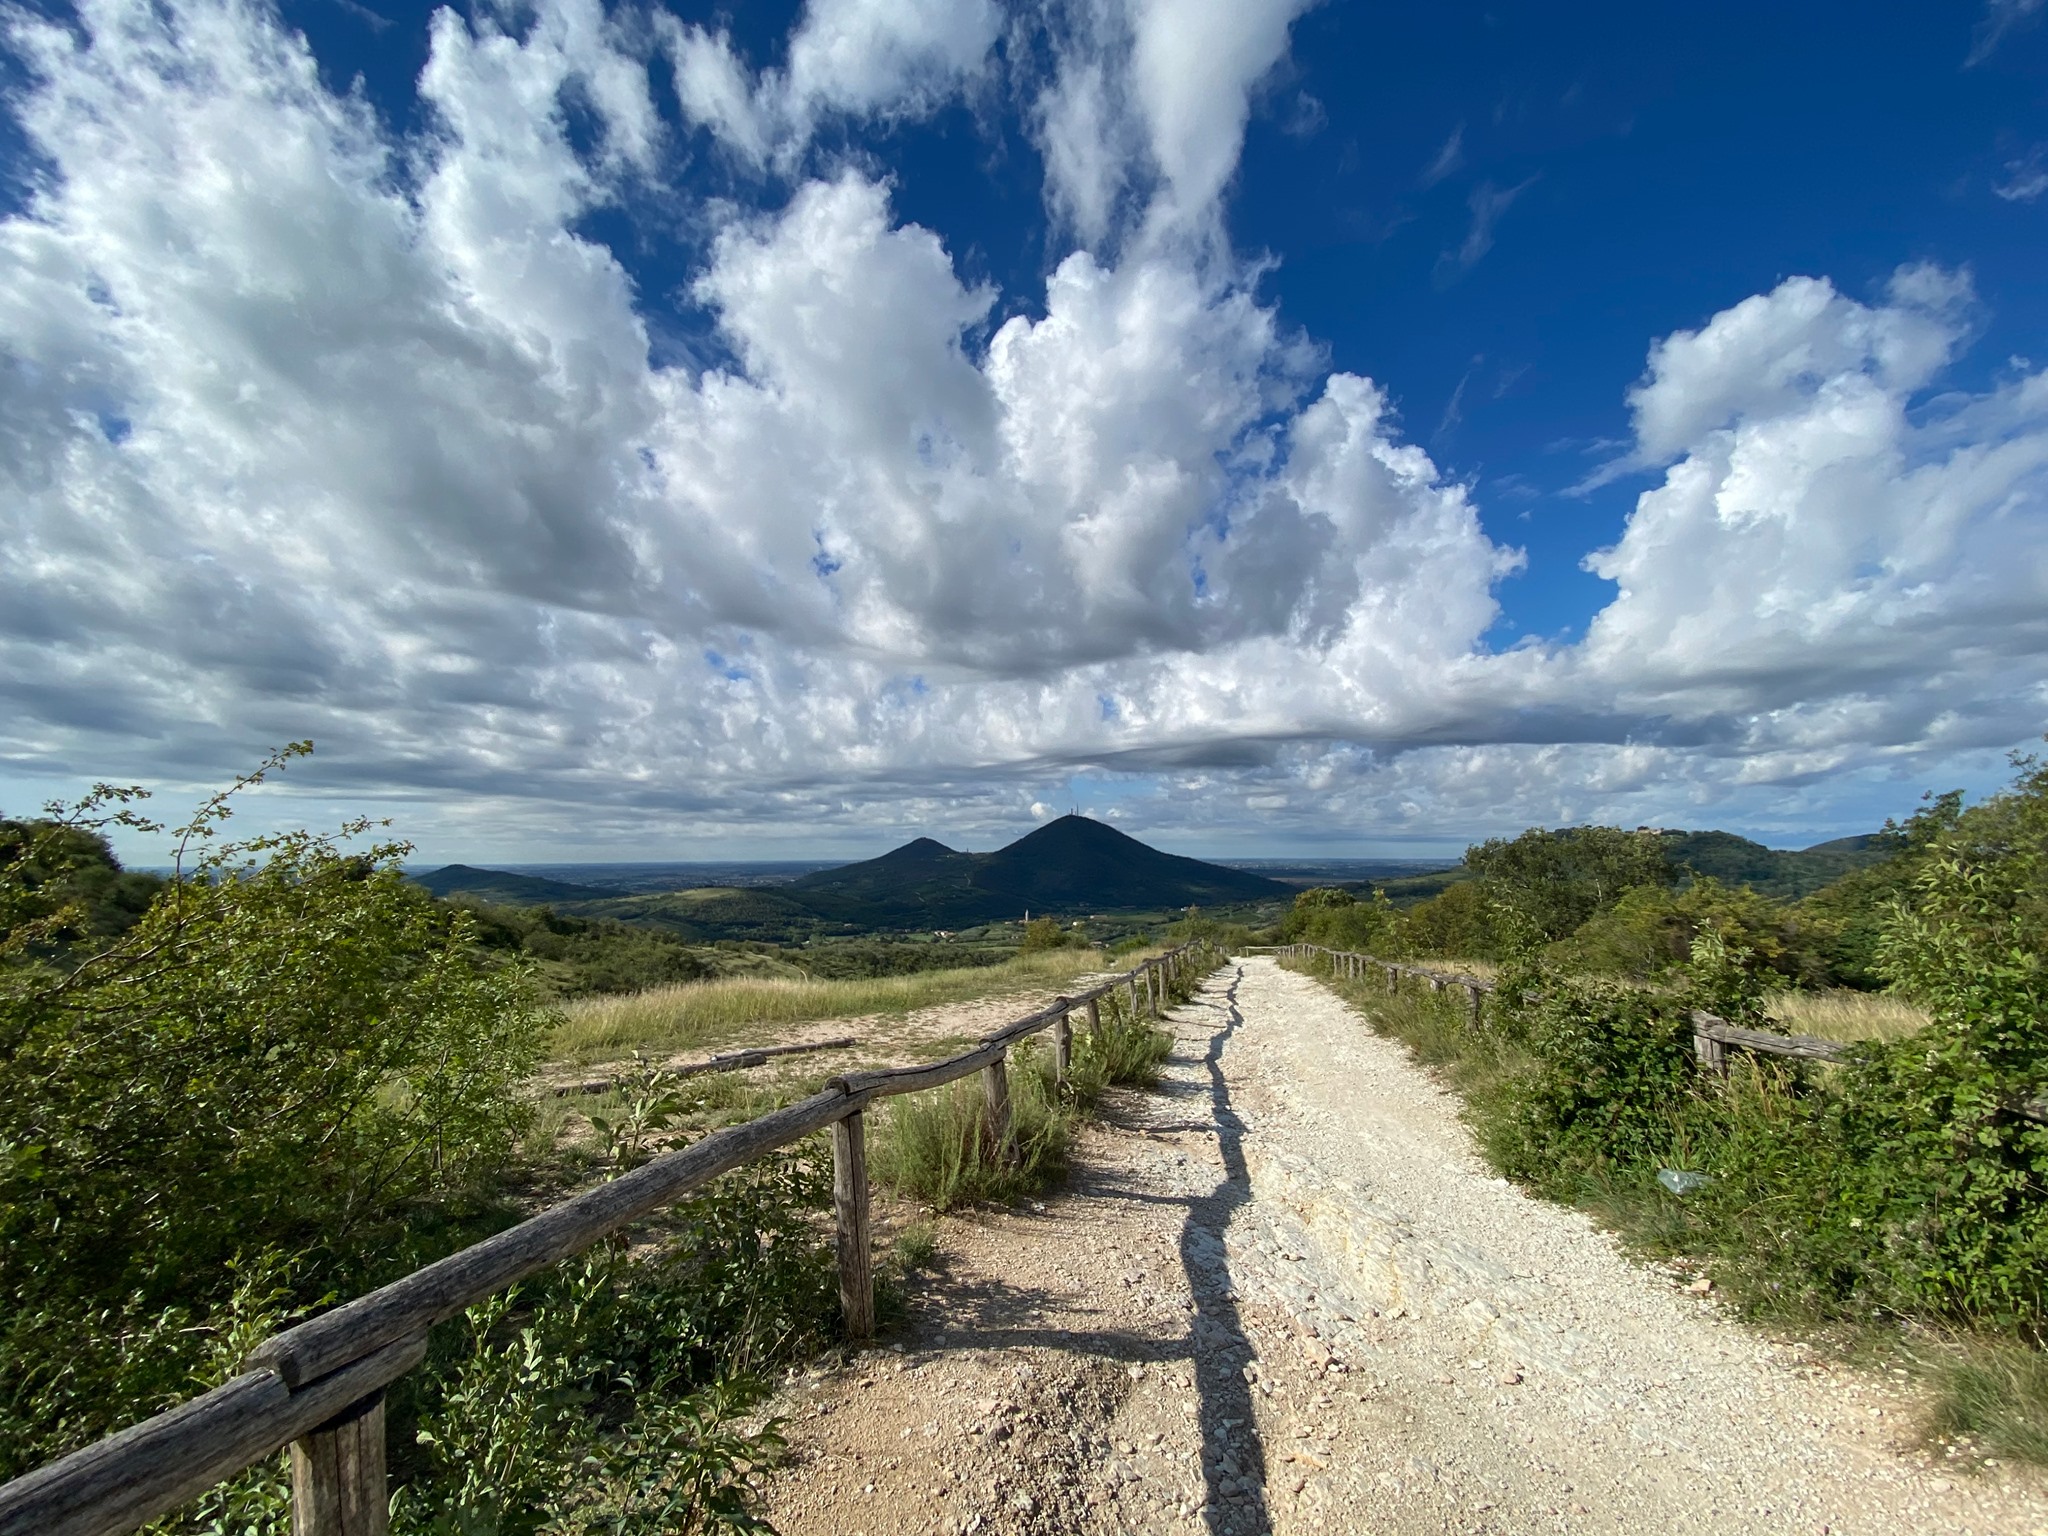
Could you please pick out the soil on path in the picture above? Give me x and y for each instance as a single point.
(1283, 1294)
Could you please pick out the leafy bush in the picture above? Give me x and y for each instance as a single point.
(292, 1050)
(1605, 1079)
(1333, 917)
(1458, 923)
(1649, 933)
(1043, 933)
(616, 1394)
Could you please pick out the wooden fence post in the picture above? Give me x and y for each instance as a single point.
(1393, 979)
(339, 1487)
(1062, 1044)
(1712, 1053)
(995, 1090)
(850, 1207)
(1094, 1017)
(1473, 993)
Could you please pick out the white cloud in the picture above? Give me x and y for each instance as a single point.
(1153, 96)
(2002, 18)
(858, 58)
(2025, 178)
(1487, 204)
(313, 432)
(1830, 562)
(1447, 160)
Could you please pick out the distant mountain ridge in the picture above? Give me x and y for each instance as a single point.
(1071, 866)
(1068, 868)
(502, 886)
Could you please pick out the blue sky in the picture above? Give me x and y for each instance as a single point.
(680, 432)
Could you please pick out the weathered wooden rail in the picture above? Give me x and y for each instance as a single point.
(319, 1387)
(1712, 1036)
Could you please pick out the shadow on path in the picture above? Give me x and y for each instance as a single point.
(1233, 1459)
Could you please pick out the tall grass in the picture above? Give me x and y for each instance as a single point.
(937, 1148)
(715, 1013)
(1848, 1016)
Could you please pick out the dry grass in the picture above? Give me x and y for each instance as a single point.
(709, 1014)
(1847, 1016)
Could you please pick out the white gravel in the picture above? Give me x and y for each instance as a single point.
(1547, 1369)
(1283, 1295)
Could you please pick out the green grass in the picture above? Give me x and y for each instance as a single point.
(710, 1014)
(1993, 1400)
(936, 1147)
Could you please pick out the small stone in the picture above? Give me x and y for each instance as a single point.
(1701, 1286)
(1941, 1485)
(1511, 1378)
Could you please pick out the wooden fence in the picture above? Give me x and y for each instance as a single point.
(1712, 1036)
(319, 1387)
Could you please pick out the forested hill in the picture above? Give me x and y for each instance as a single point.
(1070, 866)
(502, 886)
(1784, 873)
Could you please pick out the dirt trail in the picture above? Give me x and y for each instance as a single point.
(1283, 1294)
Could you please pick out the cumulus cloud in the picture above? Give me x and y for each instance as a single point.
(314, 431)
(1830, 560)
(855, 58)
(1152, 97)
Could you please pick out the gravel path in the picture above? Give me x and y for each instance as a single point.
(1283, 1294)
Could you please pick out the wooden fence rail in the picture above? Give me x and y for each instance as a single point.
(1712, 1036)
(319, 1387)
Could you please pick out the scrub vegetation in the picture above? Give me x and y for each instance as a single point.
(938, 1148)
(287, 1074)
(1894, 1199)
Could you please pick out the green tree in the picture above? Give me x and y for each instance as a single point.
(1545, 884)
(1335, 918)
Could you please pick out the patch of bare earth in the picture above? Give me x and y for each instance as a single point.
(1283, 1294)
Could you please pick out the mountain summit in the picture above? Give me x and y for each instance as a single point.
(1071, 865)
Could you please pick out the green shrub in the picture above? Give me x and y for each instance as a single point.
(938, 1147)
(1043, 933)
(292, 1050)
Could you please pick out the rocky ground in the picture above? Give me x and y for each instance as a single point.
(1283, 1294)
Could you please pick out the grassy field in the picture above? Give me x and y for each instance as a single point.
(1847, 1016)
(736, 1009)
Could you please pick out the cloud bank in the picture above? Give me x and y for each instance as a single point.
(316, 430)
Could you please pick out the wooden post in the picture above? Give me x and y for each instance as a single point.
(1152, 989)
(339, 1487)
(995, 1089)
(1094, 1017)
(1393, 979)
(850, 1207)
(1131, 996)
(1473, 993)
(1712, 1053)
(1062, 1045)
